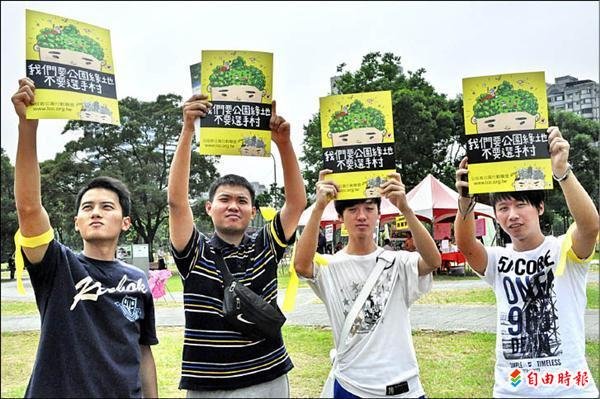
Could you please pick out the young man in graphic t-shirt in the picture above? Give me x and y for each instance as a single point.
(97, 312)
(379, 358)
(218, 360)
(541, 301)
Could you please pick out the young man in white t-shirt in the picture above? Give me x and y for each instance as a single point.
(378, 358)
(540, 334)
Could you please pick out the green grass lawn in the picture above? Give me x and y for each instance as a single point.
(485, 296)
(593, 295)
(283, 279)
(174, 284)
(474, 296)
(452, 364)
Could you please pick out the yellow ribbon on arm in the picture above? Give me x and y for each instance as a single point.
(289, 300)
(267, 212)
(27, 242)
(566, 251)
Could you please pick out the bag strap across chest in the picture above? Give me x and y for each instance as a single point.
(361, 298)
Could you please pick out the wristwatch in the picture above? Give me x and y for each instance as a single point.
(563, 177)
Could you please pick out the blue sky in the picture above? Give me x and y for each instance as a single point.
(155, 42)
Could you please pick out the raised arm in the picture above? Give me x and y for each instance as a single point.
(580, 204)
(295, 192)
(464, 224)
(394, 190)
(307, 243)
(33, 218)
(181, 219)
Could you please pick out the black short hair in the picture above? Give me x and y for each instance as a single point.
(231, 180)
(533, 197)
(108, 183)
(341, 205)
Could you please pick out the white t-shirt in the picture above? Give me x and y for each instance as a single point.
(379, 355)
(540, 334)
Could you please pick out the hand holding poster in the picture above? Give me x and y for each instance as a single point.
(506, 118)
(71, 64)
(239, 85)
(357, 138)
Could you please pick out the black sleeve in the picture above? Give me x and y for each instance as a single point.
(276, 236)
(148, 324)
(186, 259)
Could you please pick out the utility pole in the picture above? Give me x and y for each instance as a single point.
(274, 169)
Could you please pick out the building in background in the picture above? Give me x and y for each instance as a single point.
(258, 187)
(573, 95)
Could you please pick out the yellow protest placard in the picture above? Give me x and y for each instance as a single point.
(240, 86)
(401, 223)
(357, 138)
(344, 230)
(71, 65)
(506, 118)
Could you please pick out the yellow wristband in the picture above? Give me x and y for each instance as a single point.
(27, 242)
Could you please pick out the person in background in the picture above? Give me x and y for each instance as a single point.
(387, 244)
(322, 244)
(161, 259)
(409, 243)
(11, 266)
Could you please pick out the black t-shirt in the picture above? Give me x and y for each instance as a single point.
(95, 315)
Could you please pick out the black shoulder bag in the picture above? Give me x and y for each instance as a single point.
(247, 311)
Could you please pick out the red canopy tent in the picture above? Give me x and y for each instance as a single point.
(433, 201)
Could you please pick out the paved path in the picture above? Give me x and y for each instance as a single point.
(310, 311)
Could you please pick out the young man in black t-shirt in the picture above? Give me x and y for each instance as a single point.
(97, 312)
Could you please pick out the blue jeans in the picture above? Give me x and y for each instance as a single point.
(340, 393)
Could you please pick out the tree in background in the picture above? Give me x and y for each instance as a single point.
(275, 197)
(582, 135)
(139, 153)
(9, 224)
(425, 122)
(61, 179)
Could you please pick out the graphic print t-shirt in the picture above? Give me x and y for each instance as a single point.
(95, 315)
(540, 335)
(379, 351)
